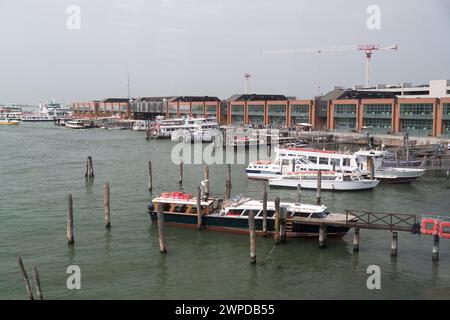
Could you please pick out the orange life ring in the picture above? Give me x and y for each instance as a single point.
(444, 229)
(425, 226)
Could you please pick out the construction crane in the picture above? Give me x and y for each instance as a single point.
(368, 50)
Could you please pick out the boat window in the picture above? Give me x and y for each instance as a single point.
(245, 214)
(301, 214)
(285, 162)
(323, 160)
(319, 215)
(313, 159)
(234, 212)
(346, 162)
(259, 214)
(270, 213)
(336, 162)
(347, 178)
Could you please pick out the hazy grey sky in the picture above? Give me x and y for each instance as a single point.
(202, 47)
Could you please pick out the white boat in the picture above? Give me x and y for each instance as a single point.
(140, 125)
(165, 128)
(332, 160)
(78, 124)
(47, 113)
(11, 112)
(331, 180)
(386, 174)
(8, 122)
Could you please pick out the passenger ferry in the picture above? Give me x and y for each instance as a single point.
(330, 180)
(332, 160)
(79, 124)
(232, 215)
(47, 113)
(164, 128)
(11, 112)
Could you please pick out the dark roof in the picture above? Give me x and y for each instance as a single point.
(355, 94)
(194, 98)
(156, 99)
(116, 100)
(257, 97)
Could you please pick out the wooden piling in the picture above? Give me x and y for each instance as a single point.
(370, 167)
(180, 180)
(150, 177)
(436, 247)
(299, 193)
(251, 227)
(276, 234)
(356, 240)
(91, 168)
(160, 215)
(106, 205)
(199, 209)
(283, 216)
(70, 238)
(206, 173)
(86, 172)
(319, 186)
(394, 244)
(322, 236)
(37, 283)
(229, 173)
(264, 213)
(227, 189)
(25, 279)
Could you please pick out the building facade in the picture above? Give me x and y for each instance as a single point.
(148, 108)
(264, 110)
(194, 106)
(105, 108)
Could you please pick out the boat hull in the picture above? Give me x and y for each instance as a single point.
(240, 226)
(326, 184)
(395, 175)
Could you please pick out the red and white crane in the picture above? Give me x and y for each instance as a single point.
(368, 50)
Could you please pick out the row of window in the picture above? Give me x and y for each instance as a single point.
(377, 109)
(348, 109)
(416, 109)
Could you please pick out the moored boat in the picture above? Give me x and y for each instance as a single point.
(330, 180)
(8, 122)
(232, 216)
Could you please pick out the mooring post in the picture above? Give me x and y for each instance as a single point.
(25, 278)
(251, 228)
(356, 240)
(37, 283)
(276, 233)
(180, 180)
(207, 182)
(319, 186)
(394, 244)
(283, 217)
(106, 205)
(70, 238)
(91, 168)
(370, 168)
(199, 208)
(436, 247)
(147, 135)
(299, 193)
(86, 173)
(227, 189)
(229, 174)
(322, 236)
(150, 177)
(160, 215)
(264, 213)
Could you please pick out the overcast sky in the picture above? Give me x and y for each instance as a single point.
(202, 47)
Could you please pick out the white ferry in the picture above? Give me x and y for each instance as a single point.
(164, 128)
(332, 160)
(330, 180)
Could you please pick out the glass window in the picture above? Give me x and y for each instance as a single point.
(313, 159)
(323, 160)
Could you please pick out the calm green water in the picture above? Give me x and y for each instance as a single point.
(40, 164)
